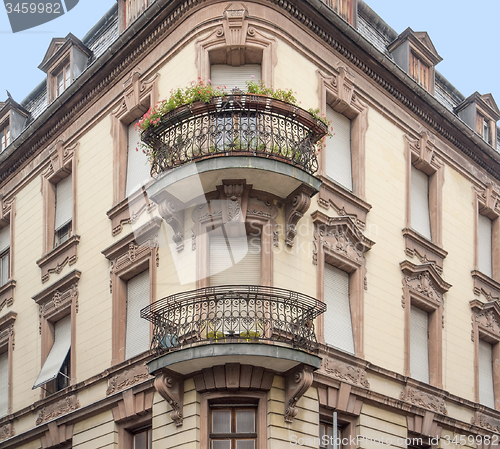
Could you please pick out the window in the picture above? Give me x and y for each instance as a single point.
(234, 76)
(420, 212)
(235, 260)
(326, 440)
(143, 439)
(338, 149)
(233, 426)
(337, 318)
(4, 255)
(137, 329)
(483, 128)
(63, 80)
(4, 384)
(419, 71)
(138, 165)
(419, 344)
(486, 386)
(484, 245)
(64, 212)
(4, 137)
(56, 370)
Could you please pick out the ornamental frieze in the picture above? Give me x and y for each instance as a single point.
(6, 431)
(424, 400)
(346, 373)
(486, 422)
(127, 378)
(59, 408)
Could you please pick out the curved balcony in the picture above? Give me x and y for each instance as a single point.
(234, 314)
(236, 125)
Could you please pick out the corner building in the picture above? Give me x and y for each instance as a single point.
(253, 286)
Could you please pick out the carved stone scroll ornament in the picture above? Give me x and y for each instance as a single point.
(296, 205)
(296, 384)
(127, 378)
(173, 214)
(425, 400)
(59, 408)
(172, 390)
(486, 422)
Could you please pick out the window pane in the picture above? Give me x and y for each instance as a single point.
(486, 391)
(68, 77)
(4, 383)
(484, 246)
(4, 238)
(60, 84)
(64, 202)
(140, 440)
(4, 277)
(221, 444)
(232, 76)
(338, 149)
(138, 166)
(245, 421)
(420, 217)
(419, 344)
(221, 421)
(245, 444)
(337, 318)
(137, 328)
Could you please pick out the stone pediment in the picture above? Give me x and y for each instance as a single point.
(419, 40)
(487, 318)
(58, 47)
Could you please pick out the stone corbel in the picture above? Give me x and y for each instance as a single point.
(235, 26)
(56, 435)
(296, 384)
(171, 388)
(345, 90)
(489, 203)
(133, 405)
(60, 160)
(423, 151)
(296, 205)
(173, 214)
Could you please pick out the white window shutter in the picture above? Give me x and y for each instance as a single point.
(484, 245)
(58, 352)
(420, 215)
(419, 344)
(486, 390)
(138, 165)
(4, 384)
(235, 260)
(137, 338)
(64, 202)
(234, 76)
(337, 319)
(4, 238)
(338, 149)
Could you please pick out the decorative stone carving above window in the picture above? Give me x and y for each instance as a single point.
(59, 408)
(127, 378)
(489, 201)
(138, 95)
(345, 372)
(486, 422)
(424, 426)
(7, 431)
(485, 320)
(237, 41)
(424, 400)
(133, 405)
(341, 399)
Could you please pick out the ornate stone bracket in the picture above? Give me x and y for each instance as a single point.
(296, 205)
(296, 384)
(171, 388)
(173, 214)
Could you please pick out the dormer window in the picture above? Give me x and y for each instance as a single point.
(4, 137)
(64, 61)
(63, 80)
(481, 113)
(415, 53)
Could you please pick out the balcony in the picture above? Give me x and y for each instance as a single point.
(236, 137)
(233, 323)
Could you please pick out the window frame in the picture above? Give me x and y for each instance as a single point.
(233, 435)
(421, 153)
(130, 256)
(56, 302)
(63, 161)
(5, 134)
(7, 335)
(346, 423)
(424, 288)
(483, 314)
(7, 211)
(226, 398)
(139, 93)
(63, 69)
(349, 257)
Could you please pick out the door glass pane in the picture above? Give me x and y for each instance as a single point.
(245, 421)
(221, 421)
(245, 444)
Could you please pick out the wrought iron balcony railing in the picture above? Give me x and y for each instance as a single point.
(236, 125)
(234, 313)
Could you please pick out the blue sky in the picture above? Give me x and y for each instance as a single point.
(463, 35)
